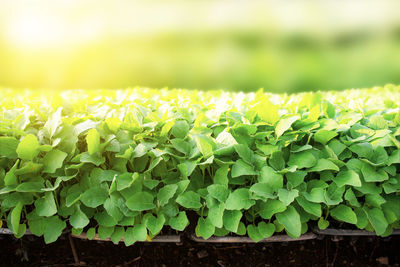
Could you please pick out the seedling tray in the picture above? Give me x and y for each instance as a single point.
(6, 231)
(157, 239)
(240, 239)
(348, 232)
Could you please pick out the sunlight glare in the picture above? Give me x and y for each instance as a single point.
(37, 31)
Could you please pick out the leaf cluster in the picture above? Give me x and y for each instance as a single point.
(130, 164)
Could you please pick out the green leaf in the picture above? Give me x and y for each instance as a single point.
(270, 177)
(221, 232)
(93, 141)
(204, 228)
(351, 198)
(150, 183)
(323, 165)
(226, 138)
(266, 229)
(377, 220)
(104, 219)
(105, 231)
(181, 145)
(94, 159)
(46, 206)
(179, 222)
(29, 167)
(8, 147)
(270, 208)
(244, 152)
(363, 150)
(204, 146)
(186, 168)
(113, 124)
(379, 156)
(344, 213)
(333, 195)
(154, 224)
(348, 177)
(53, 122)
(263, 190)
(253, 233)
(53, 228)
(141, 201)
(91, 232)
(241, 229)
(336, 146)
(284, 124)
(286, 196)
(84, 126)
(295, 178)
(314, 114)
(36, 224)
(180, 129)
(239, 199)
(277, 161)
(76, 231)
(267, 149)
(166, 193)
(117, 235)
(73, 195)
(215, 215)
(374, 200)
(322, 223)
(129, 237)
(113, 209)
(231, 219)
(393, 158)
(221, 175)
(182, 186)
(377, 122)
(310, 207)
(371, 175)
(28, 148)
(125, 180)
(189, 200)
(242, 168)
(166, 127)
(324, 136)
(290, 219)
(53, 160)
(267, 111)
(140, 232)
(304, 159)
(139, 151)
(29, 187)
(16, 217)
(78, 219)
(10, 178)
(369, 188)
(21, 231)
(94, 197)
(219, 192)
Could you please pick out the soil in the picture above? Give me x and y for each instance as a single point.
(329, 251)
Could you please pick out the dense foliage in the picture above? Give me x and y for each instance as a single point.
(133, 163)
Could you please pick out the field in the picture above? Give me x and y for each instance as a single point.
(232, 60)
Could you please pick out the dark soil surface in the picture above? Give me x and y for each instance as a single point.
(329, 251)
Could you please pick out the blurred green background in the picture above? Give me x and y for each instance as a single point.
(241, 46)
